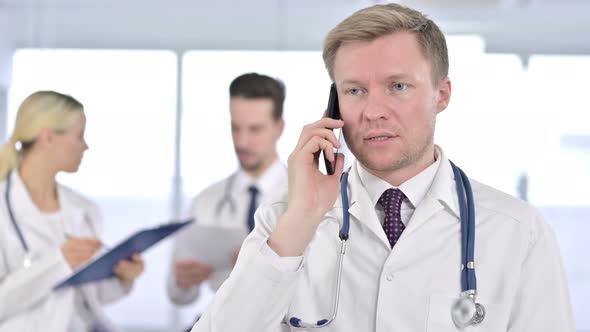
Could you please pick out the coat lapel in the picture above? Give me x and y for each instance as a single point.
(441, 195)
(26, 214)
(362, 209)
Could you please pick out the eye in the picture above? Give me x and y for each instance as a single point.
(354, 91)
(256, 129)
(399, 86)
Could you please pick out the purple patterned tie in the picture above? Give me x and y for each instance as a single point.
(391, 200)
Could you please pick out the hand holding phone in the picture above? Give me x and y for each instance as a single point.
(333, 111)
(311, 193)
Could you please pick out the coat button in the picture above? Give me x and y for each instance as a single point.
(389, 277)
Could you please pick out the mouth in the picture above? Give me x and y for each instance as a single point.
(379, 138)
(244, 155)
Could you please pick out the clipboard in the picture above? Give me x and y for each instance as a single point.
(102, 267)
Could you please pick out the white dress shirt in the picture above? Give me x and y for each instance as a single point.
(415, 189)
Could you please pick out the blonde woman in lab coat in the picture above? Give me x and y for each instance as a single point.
(46, 229)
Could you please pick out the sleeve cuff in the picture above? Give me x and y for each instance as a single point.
(283, 264)
(181, 296)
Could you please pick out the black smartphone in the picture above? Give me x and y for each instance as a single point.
(333, 111)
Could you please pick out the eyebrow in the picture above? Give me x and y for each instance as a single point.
(394, 77)
(353, 82)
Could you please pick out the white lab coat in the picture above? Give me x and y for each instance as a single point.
(223, 204)
(520, 278)
(27, 301)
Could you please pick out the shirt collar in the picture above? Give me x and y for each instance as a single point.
(414, 188)
(443, 190)
(265, 183)
(444, 187)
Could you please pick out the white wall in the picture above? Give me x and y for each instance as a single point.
(6, 51)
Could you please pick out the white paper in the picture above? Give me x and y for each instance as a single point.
(213, 245)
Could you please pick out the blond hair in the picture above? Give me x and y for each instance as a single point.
(42, 109)
(377, 21)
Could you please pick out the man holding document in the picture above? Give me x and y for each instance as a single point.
(224, 212)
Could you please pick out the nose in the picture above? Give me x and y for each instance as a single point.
(376, 106)
(241, 139)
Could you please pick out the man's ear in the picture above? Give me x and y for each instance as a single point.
(444, 94)
(281, 127)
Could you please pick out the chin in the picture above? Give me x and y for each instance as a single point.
(252, 167)
(383, 163)
(71, 169)
(378, 160)
(379, 166)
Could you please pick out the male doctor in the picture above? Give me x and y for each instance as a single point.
(256, 111)
(402, 267)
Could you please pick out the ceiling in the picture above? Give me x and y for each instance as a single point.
(515, 26)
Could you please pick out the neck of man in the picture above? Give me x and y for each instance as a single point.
(264, 166)
(40, 182)
(398, 176)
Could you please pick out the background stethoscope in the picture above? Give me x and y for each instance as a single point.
(227, 197)
(465, 311)
(28, 258)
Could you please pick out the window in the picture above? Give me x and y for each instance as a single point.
(559, 166)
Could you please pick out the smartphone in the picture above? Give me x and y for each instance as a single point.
(333, 111)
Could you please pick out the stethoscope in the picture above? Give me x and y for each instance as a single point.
(465, 310)
(227, 198)
(28, 257)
